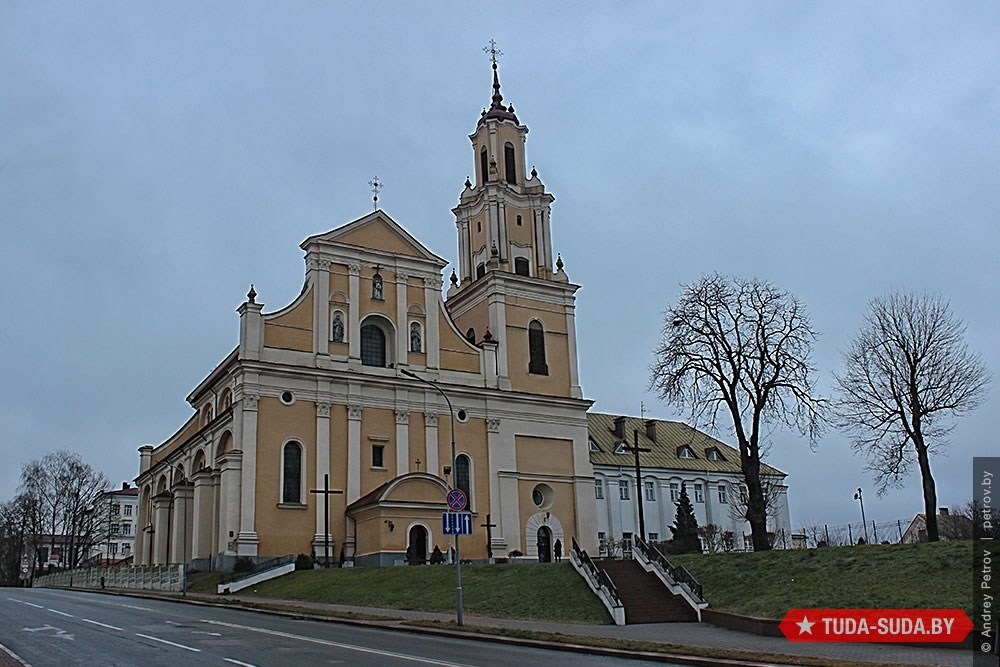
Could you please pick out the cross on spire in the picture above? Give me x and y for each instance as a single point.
(376, 186)
(493, 51)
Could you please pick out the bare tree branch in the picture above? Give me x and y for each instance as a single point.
(908, 375)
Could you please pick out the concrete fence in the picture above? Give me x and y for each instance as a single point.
(141, 578)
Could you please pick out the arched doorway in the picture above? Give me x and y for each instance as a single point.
(544, 544)
(416, 552)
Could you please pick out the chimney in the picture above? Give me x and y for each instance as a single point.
(943, 511)
(651, 429)
(124, 486)
(620, 427)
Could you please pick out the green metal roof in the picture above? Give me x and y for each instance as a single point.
(670, 438)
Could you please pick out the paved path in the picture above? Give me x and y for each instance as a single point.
(687, 634)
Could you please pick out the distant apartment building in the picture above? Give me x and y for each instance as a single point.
(119, 508)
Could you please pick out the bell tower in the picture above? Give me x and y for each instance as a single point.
(505, 283)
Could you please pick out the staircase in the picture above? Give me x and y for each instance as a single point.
(646, 599)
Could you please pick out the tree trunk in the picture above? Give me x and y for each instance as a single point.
(930, 494)
(756, 507)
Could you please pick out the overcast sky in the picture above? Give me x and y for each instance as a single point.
(157, 158)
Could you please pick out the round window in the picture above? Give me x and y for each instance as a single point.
(287, 397)
(462, 416)
(542, 495)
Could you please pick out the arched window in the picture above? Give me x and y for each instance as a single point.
(463, 475)
(416, 339)
(484, 169)
(470, 335)
(372, 346)
(291, 466)
(521, 266)
(536, 349)
(508, 162)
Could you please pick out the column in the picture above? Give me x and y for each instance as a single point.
(181, 522)
(246, 437)
(161, 528)
(431, 438)
(432, 342)
(402, 326)
(354, 472)
(319, 274)
(230, 492)
(201, 514)
(464, 252)
(322, 465)
(402, 442)
(497, 494)
(353, 321)
(498, 326)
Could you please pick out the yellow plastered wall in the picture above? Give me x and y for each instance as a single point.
(379, 424)
(520, 312)
(377, 234)
(283, 531)
(292, 330)
(387, 306)
(455, 352)
(547, 456)
(524, 235)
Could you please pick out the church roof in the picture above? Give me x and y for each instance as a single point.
(668, 446)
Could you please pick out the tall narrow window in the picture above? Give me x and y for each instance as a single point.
(536, 349)
(508, 163)
(722, 494)
(480, 270)
(378, 456)
(470, 335)
(484, 169)
(623, 489)
(521, 266)
(372, 346)
(291, 487)
(598, 489)
(675, 492)
(650, 491)
(463, 468)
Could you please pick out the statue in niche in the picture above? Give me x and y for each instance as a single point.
(337, 329)
(377, 286)
(415, 345)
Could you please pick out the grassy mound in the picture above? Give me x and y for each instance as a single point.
(768, 584)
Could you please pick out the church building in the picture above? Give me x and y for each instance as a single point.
(340, 422)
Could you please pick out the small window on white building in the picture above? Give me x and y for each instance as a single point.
(623, 489)
(699, 494)
(128, 510)
(675, 492)
(714, 455)
(685, 452)
(598, 489)
(650, 491)
(654, 537)
(722, 494)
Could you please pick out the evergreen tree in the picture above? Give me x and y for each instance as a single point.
(685, 528)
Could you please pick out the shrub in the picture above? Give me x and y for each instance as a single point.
(303, 562)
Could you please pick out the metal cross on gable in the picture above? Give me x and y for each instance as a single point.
(493, 51)
(376, 186)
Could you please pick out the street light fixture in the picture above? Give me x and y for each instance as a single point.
(864, 523)
(458, 551)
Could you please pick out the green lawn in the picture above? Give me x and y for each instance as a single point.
(553, 592)
(768, 584)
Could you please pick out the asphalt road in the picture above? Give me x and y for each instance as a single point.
(56, 628)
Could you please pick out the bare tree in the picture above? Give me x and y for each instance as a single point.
(908, 375)
(741, 348)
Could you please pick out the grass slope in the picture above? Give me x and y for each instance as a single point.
(768, 584)
(549, 592)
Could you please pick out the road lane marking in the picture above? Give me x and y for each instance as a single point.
(237, 662)
(36, 606)
(349, 647)
(61, 613)
(109, 627)
(164, 641)
(132, 606)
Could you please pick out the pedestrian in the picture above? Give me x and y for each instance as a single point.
(558, 551)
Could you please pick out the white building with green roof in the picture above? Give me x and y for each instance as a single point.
(677, 454)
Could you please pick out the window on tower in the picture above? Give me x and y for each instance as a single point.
(480, 270)
(536, 349)
(484, 168)
(508, 163)
(521, 266)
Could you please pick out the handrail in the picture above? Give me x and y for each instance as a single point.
(263, 566)
(597, 574)
(678, 573)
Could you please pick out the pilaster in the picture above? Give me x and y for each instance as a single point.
(322, 462)
(402, 326)
(402, 442)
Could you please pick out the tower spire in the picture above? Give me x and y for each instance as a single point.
(497, 109)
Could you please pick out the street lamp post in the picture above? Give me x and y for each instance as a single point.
(458, 551)
(184, 547)
(864, 524)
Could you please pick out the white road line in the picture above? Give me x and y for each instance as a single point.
(349, 647)
(164, 641)
(36, 606)
(237, 662)
(109, 627)
(61, 613)
(132, 606)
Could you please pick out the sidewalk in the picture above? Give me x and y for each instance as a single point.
(686, 634)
